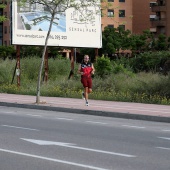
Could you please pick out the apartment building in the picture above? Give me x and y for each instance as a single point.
(1, 28)
(5, 27)
(135, 15)
(161, 22)
(117, 13)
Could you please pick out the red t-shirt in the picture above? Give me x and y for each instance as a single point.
(86, 68)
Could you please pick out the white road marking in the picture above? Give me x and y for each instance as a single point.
(96, 122)
(163, 148)
(139, 127)
(33, 115)
(20, 127)
(52, 159)
(164, 138)
(166, 130)
(41, 142)
(9, 112)
(62, 118)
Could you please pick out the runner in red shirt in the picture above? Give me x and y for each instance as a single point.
(86, 69)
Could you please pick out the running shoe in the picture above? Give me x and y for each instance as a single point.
(83, 97)
(87, 103)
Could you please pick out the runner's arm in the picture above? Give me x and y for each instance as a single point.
(79, 70)
(93, 69)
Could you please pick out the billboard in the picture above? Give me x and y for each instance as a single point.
(31, 24)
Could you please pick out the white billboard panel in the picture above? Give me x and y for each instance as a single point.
(31, 24)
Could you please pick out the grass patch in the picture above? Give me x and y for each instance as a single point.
(141, 87)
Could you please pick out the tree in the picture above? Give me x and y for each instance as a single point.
(6, 51)
(2, 18)
(58, 7)
(142, 42)
(115, 39)
(161, 43)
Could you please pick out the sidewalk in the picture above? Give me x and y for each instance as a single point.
(149, 112)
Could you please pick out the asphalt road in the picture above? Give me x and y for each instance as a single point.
(46, 140)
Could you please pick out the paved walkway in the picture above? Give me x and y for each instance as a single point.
(150, 112)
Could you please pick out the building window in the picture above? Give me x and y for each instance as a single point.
(121, 13)
(110, 0)
(5, 30)
(5, 43)
(6, 2)
(110, 12)
(102, 14)
(1, 11)
(121, 0)
(5, 13)
(153, 17)
(110, 26)
(152, 4)
(122, 26)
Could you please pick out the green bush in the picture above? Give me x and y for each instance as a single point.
(103, 66)
(149, 61)
(7, 68)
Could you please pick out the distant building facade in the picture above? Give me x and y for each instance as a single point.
(133, 15)
(161, 23)
(5, 27)
(138, 15)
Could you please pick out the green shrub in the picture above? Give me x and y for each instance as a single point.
(149, 61)
(103, 66)
(7, 68)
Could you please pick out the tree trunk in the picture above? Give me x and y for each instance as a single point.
(42, 61)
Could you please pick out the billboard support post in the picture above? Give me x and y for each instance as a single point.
(72, 59)
(46, 65)
(18, 65)
(72, 64)
(96, 53)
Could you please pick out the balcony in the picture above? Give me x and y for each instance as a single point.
(157, 8)
(159, 22)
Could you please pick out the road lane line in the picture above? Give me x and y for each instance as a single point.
(163, 148)
(139, 127)
(19, 127)
(62, 118)
(166, 130)
(9, 112)
(164, 138)
(34, 115)
(52, 159)
(97, 122)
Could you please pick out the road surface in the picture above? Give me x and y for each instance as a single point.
(49, 140)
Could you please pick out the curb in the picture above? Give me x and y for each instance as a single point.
(90, 112)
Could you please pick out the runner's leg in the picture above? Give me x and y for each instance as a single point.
(86, 93)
